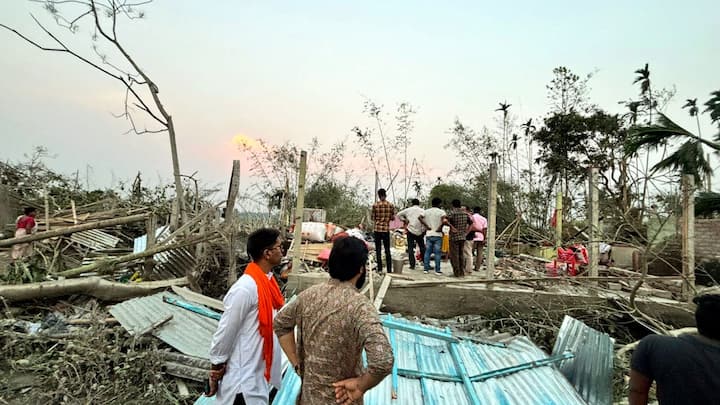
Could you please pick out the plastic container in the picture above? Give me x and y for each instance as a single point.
(398, 265)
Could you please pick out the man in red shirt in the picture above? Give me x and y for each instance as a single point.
(24, 225)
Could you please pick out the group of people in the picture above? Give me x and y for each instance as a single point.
(466, 233)
(334, 325)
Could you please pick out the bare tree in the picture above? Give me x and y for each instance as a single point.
(141, 92)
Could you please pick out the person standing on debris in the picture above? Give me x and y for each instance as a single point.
(458, 221)
(433, 219)
(467, 264)
(479, 226)
(24, 225)
(245, 354)
(415, 230)
(686, 369)
(334, 324)
(382, 214)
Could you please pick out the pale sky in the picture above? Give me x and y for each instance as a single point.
(294, 70)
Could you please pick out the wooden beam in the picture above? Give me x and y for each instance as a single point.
(198, 298)
(299, 206)
(72, 229)
(93, 286)
(384, 285)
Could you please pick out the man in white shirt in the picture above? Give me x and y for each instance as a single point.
(245, 354)
(433, 219)
(415, 230)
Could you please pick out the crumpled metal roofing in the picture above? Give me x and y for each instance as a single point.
(95, 239)
(188, 332)
(171, 263)
(590, 371)
(448, 370)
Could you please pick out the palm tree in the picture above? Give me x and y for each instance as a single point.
(504, 107)
(529, 129)
(643, 77)
(689, 158)
(713, 107)
(691, 105)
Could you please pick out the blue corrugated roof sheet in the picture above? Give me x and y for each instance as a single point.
(590, 371)
(435, 367)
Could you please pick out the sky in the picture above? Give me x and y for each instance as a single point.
(288, 70)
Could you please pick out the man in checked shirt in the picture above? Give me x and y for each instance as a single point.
(382, 214)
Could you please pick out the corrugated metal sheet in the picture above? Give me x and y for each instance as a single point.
(590, 371)
(95, 239)
(188, 332)
(171, 263)
(438, 360)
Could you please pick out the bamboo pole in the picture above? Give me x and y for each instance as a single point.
(72, 229)
(559, 218)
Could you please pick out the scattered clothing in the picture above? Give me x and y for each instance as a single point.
(335, 323)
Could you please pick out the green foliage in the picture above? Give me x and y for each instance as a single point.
(713, 107)
(689, 158)
(342, 203)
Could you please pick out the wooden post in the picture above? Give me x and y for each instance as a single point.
(594, 219)
(708, 178)
(492, 223)
(150, 230)
(47, 211)
(230, 223)
(559, 218)
(688, 236)
(299, 206)
(74, 211)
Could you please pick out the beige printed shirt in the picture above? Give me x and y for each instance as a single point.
(335, 323)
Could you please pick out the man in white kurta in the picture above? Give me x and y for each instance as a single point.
(238, 344)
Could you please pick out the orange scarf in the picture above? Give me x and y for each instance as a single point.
(269, 298)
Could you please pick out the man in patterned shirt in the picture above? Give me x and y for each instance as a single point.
(335, 323)
(382, 214)
(458, 220)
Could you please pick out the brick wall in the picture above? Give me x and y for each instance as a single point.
(707, 239)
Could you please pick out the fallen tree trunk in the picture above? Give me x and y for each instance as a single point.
(134, 256)
(94, 286)
(72, 229)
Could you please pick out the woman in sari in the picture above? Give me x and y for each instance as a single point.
(25, 225)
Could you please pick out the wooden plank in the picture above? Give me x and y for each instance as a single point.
(384, 285)
(401, 284)
(198, 298)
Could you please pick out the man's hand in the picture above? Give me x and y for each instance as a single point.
(216, 374)
(347, 391)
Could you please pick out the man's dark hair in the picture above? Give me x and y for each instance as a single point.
(382, 193)
(707, 315)
(415, 201)
(259, 240)
(347, 257)
(29, 210)
(476, 210)
(456, 203)
(436, 202)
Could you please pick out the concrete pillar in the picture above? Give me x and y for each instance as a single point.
(297, 244)
(688, 236)
(492, 223)
(594, 221)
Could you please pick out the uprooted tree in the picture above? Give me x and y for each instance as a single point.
(102, 18)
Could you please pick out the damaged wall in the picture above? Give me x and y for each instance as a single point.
(707, 243)
(9, 210)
